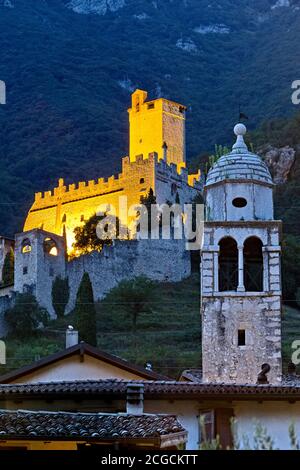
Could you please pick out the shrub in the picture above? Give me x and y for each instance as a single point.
(26, 316)
(135, 296)
(8, 268)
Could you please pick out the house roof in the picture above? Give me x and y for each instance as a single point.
(81, 349)
(117, 389)
(191, 375)
(40, 425)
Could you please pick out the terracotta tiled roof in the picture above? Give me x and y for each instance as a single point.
(192, 375)
(288, 390)
(85, 426)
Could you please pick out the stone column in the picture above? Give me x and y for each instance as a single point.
(241, 287)
(216, 271)
(265, 270)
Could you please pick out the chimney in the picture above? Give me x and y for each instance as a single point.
(71, 337)
(135, 399)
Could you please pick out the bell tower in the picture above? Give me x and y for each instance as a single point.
(240, 270)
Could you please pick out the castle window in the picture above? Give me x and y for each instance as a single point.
(64, 219)
(25, 270)
(51, 272)
(228, 265)
(50, 247)
(241, 337)
(151, 106)
(239, 202)
(142, 180)
(82, 218)
(253, 265)
(26, 246)
(173, 189)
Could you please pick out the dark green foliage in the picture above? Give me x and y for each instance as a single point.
(8, 268)
(280, 133)
(86, 238)
(149, 210)
(290, 267)
(85, 312)
(26, 316)
(136, 297)
(60, 295)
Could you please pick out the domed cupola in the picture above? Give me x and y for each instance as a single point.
(239, 185)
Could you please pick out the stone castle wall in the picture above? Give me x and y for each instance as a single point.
(159, 260)
(36, 269)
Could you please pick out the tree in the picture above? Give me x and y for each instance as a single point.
(290, 267)
(135, 296)
(148, 207)
(86, 237)
(8, 268)
(85, 312)
(60, 295)
(26, 316)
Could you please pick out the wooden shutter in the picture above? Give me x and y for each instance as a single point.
(223, 426)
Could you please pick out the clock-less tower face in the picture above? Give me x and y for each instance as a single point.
(240, 270)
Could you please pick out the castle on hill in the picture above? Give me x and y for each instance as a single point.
(157, 160)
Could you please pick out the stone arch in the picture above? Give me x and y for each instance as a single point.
(228, 264)
(50, 247)
(26, 246)
(253, 264)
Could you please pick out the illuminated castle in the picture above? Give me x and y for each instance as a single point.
(156, 160)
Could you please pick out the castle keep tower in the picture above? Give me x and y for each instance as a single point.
(240, 270)
(154, 124)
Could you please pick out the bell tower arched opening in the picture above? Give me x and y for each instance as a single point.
(228, 265)
(253, 265)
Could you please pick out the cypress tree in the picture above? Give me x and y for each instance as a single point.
(85, 312)
(8, 268)
(60, 295)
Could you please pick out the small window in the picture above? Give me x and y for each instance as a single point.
(26, 246)
(151, 106)
(64, 219)
(239, 202)
(51, 272)
(142, 180)
(82, 218)
(25, 270)
(241, 337)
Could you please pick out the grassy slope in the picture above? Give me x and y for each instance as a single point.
(170, 337)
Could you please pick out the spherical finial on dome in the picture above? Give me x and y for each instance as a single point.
(240, 129)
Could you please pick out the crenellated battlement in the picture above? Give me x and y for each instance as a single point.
(84, 189)
(156, 161)
(77, 191)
